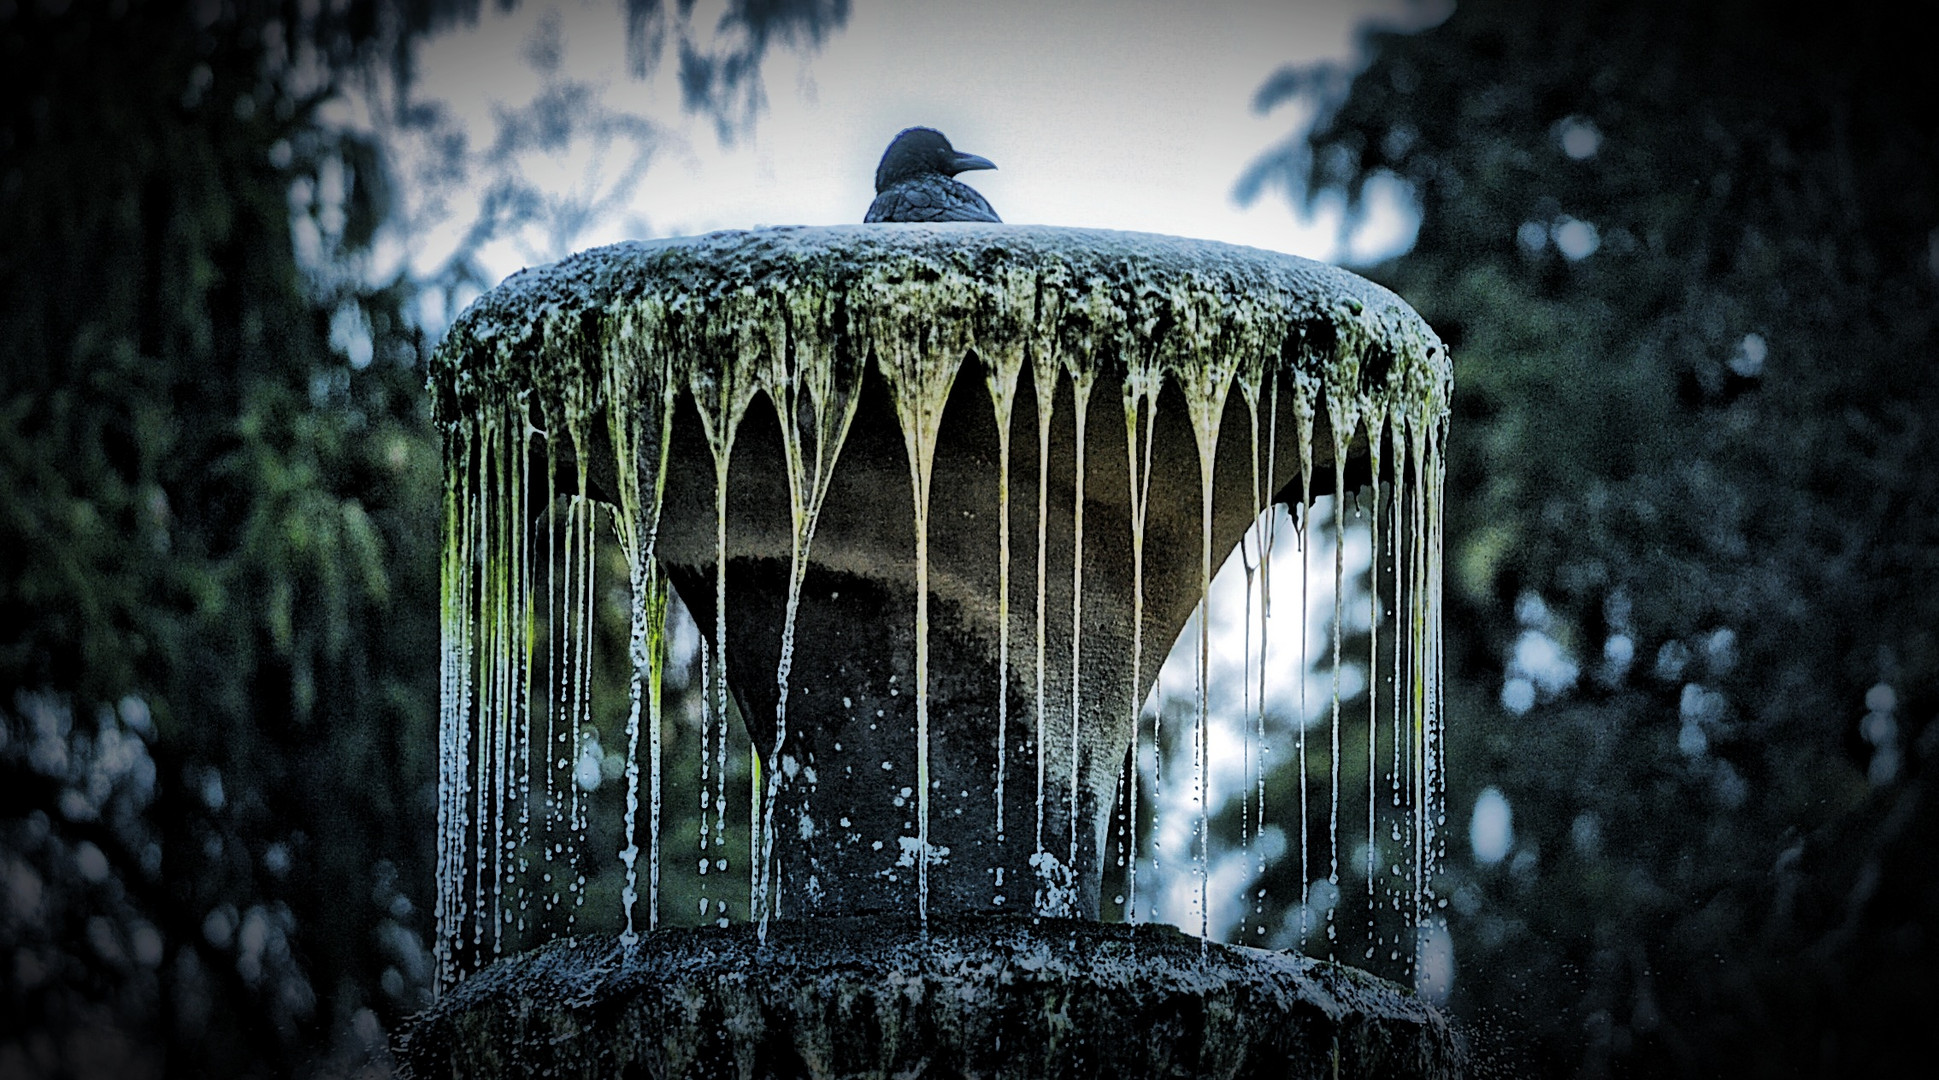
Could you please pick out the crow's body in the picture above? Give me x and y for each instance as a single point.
(930, 198)
(916, 181)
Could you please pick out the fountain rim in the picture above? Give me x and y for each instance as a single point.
(584, 302)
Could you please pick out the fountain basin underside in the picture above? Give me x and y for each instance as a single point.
(974, 997)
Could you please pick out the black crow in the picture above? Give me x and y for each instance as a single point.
(915, 181)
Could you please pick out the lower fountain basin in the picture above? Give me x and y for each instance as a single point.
(977, 996)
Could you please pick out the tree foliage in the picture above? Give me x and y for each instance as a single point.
(214, 522)
(218, 513)
(1687, 261)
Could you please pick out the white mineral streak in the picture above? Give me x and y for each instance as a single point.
(1303, 413)
(1376, 421)
(806, 380)
(1144, 377)
(1251, 555)
(1204, 366)
(636, 370)
(1083, 380)
(481, 786)
(582, 673)
(922, 331)
(554, 663)
(1433, 722)
(1343, 408)
(1157, 778)
(518, 653)
(719, 354)
(1014, 318)
(1251, 382)
(618, 337)
(1044, 372)
(527, 637)
(497, 655)
(1417, 670)
(706, 757)
(1400, 532)
(454, 706)
(491, 790)
(1267, 546)
(658, 600)
(1402, 526)
(500, 664)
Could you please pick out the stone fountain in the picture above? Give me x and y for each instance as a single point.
(980, 478)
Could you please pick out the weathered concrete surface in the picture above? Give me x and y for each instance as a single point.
(978, 997)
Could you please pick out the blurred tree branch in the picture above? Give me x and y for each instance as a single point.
(1684, 255)
(218, 503)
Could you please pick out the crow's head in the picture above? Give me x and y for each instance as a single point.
(920, 150)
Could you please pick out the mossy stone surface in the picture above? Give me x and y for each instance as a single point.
(996, 997)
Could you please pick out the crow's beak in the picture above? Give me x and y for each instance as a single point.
(969, 162)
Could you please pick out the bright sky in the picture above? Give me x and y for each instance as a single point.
(1130, 115)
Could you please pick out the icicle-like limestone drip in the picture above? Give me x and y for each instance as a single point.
(920, 349)
(1404, 633)
(554, 665)
(801, 375)
(723, 387)
(1251, 556)
(582, 619)
(1343, 418)
(1303, 414)
(1044, 376)
(1083, 379)
(1434, 844)
(453, 712)
(527, 576)
(1143, 380)
(1417, 666)
(1376, 419)
(1003, 361)
(658, 599)
(497, 654)
(1205, 372)
(481, 516)
(636, 372)
(1267, 546)
(1251, 380)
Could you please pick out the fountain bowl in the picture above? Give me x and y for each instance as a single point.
(817, 436)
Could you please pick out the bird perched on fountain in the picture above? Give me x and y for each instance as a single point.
(916, 181)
